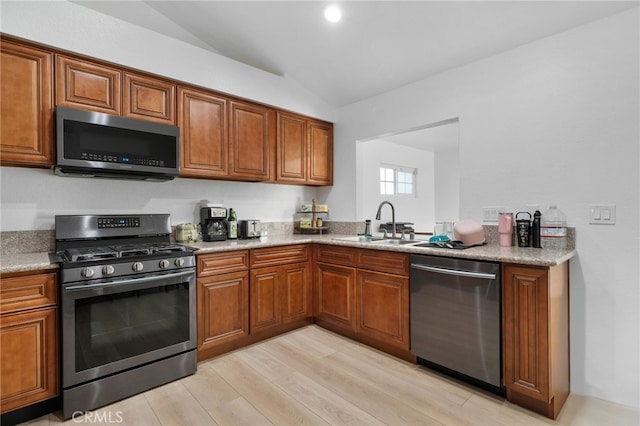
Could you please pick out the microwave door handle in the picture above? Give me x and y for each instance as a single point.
(129, 281)
(458, 273)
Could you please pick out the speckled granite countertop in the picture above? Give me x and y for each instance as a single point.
(24, 262)
(489, 252)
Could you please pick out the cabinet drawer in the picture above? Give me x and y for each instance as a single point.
(29, 291)
(221, 263)
(336, 255)
(383, 261)
(279, 255)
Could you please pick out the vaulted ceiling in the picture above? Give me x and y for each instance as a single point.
(376, 47)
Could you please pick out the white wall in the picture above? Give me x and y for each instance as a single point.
(31, 198)
(553, 122)
(419, 209)
(446, 170)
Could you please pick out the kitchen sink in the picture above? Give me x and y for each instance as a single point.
(360, 239)
(379, 240)
(397, 242)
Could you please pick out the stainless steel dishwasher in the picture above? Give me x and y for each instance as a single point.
(455, 318)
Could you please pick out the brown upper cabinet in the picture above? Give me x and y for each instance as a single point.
(251, 141)
(320, 153)
(304, 150)
(202, 118)
(86, 85)
(97, 87)
(221, 137)
(26, 98)
(225, 138)
(149, 99)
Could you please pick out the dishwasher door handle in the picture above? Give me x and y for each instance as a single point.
(455, 272)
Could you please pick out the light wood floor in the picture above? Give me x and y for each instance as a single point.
(312, 376)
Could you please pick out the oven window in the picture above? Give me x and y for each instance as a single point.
(115, 327)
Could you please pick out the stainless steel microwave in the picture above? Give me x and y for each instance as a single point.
(93, 144)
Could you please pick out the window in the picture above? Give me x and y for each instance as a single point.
(396, 180)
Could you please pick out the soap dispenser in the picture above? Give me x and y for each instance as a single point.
(367, 228)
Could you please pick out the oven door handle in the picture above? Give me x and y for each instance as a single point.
(455, 272)
(129, 281)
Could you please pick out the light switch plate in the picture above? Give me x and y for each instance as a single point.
(602, 214)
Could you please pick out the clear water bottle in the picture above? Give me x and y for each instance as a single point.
(553, 229)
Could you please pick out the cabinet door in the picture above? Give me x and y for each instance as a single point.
(202, 118)
(334, 300)
(295, 292)
(223, 313)
(291, 148)
(149, 99)
(26, 101)
(525, 325)
(264, 299)
(320, 154)
(251, 141)
(383, 307)
(87, 85)
(28, 358)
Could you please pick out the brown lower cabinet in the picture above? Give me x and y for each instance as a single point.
(248, 295)
(245, 296)
(536, 336)
(29, 340)
(364, 294)
(281, 293)
(223, 300)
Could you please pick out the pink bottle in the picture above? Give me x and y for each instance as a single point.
(505, 229)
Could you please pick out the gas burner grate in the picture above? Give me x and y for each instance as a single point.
(166, 248)
(91, 253)
(131, 250)
(88, 254)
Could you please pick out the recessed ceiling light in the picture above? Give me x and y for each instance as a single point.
(332, 13)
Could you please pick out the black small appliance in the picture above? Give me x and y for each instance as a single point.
(213, 221)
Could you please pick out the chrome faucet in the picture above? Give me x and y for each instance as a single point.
(393, 217)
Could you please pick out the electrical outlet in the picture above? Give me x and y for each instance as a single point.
(490, 214)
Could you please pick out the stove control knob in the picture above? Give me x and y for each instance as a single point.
(137, 266)
(108, 270)
(179, 262)
(164, 264)
(86, 272)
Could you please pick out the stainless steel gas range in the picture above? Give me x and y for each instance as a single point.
(128, 300)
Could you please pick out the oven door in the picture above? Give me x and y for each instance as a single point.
(111, 326)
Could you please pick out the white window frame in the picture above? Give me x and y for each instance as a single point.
(395, 182)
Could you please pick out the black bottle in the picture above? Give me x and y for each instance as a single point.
(535, 230)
